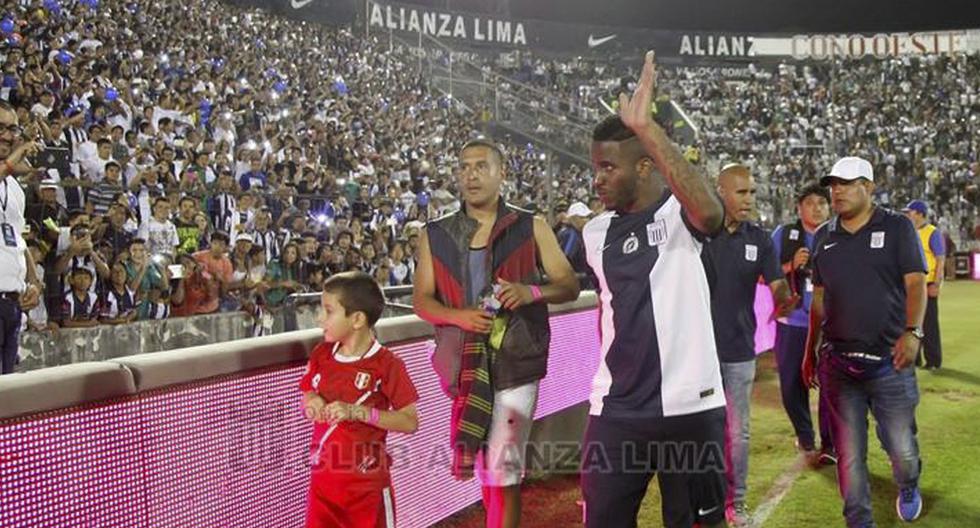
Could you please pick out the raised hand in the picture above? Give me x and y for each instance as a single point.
(635, 110)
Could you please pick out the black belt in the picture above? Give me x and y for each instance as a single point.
(10, 296)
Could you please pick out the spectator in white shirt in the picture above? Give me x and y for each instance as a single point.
(158, 231)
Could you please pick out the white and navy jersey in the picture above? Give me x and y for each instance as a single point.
(76, 136)
(76, 309)
(157, 310)
(115, 304)
(658, 353)
(223, 209)
(270, 242)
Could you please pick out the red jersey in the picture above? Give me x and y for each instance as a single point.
(356, 450)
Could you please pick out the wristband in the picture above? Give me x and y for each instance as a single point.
(536, 292)
(375, 416)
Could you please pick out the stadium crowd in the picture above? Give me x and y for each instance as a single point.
(916, 119)
(199, 157)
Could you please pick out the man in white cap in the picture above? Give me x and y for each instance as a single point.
(47, 205)
(572, 244)
(869, 298)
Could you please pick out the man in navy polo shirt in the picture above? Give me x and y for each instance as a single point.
(869, 299)
(738, 256)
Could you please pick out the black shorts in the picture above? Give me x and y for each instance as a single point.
(687, 453)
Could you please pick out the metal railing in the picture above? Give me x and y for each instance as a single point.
(49, 348)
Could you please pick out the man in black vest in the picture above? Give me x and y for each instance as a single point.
(490, 250)
(794, 243)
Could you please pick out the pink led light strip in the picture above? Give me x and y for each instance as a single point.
(234, 452)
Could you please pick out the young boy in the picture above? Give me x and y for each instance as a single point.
(355, 391)
(81, 307)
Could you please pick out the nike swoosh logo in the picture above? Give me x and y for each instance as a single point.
(299, 4)
(828, 246)
(593, 42)
(706, 512)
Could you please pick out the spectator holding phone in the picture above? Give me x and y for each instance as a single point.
(197, 291)
(215, 262)
(81, 254)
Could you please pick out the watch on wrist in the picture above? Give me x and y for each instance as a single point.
(915, 331)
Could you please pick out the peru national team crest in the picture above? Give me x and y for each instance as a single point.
(362, 380)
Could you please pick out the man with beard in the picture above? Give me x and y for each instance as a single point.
(659, 382)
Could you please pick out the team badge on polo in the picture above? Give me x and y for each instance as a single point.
(794, 234)
(751, 252)
(878, 239)
(631, 245)
(362, 380)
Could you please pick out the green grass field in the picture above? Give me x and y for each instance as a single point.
(949, 439)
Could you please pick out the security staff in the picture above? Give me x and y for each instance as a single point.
(869, 299)
(18, 278)
(934, 248)
(738, 256)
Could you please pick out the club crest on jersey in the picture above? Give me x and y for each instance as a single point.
(657, 232)
(751, 252)
(878, 239)
(362, 380)
(316, 381)
(794, 234)
(631, 244)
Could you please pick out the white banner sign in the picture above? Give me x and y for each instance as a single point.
(881, 45)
